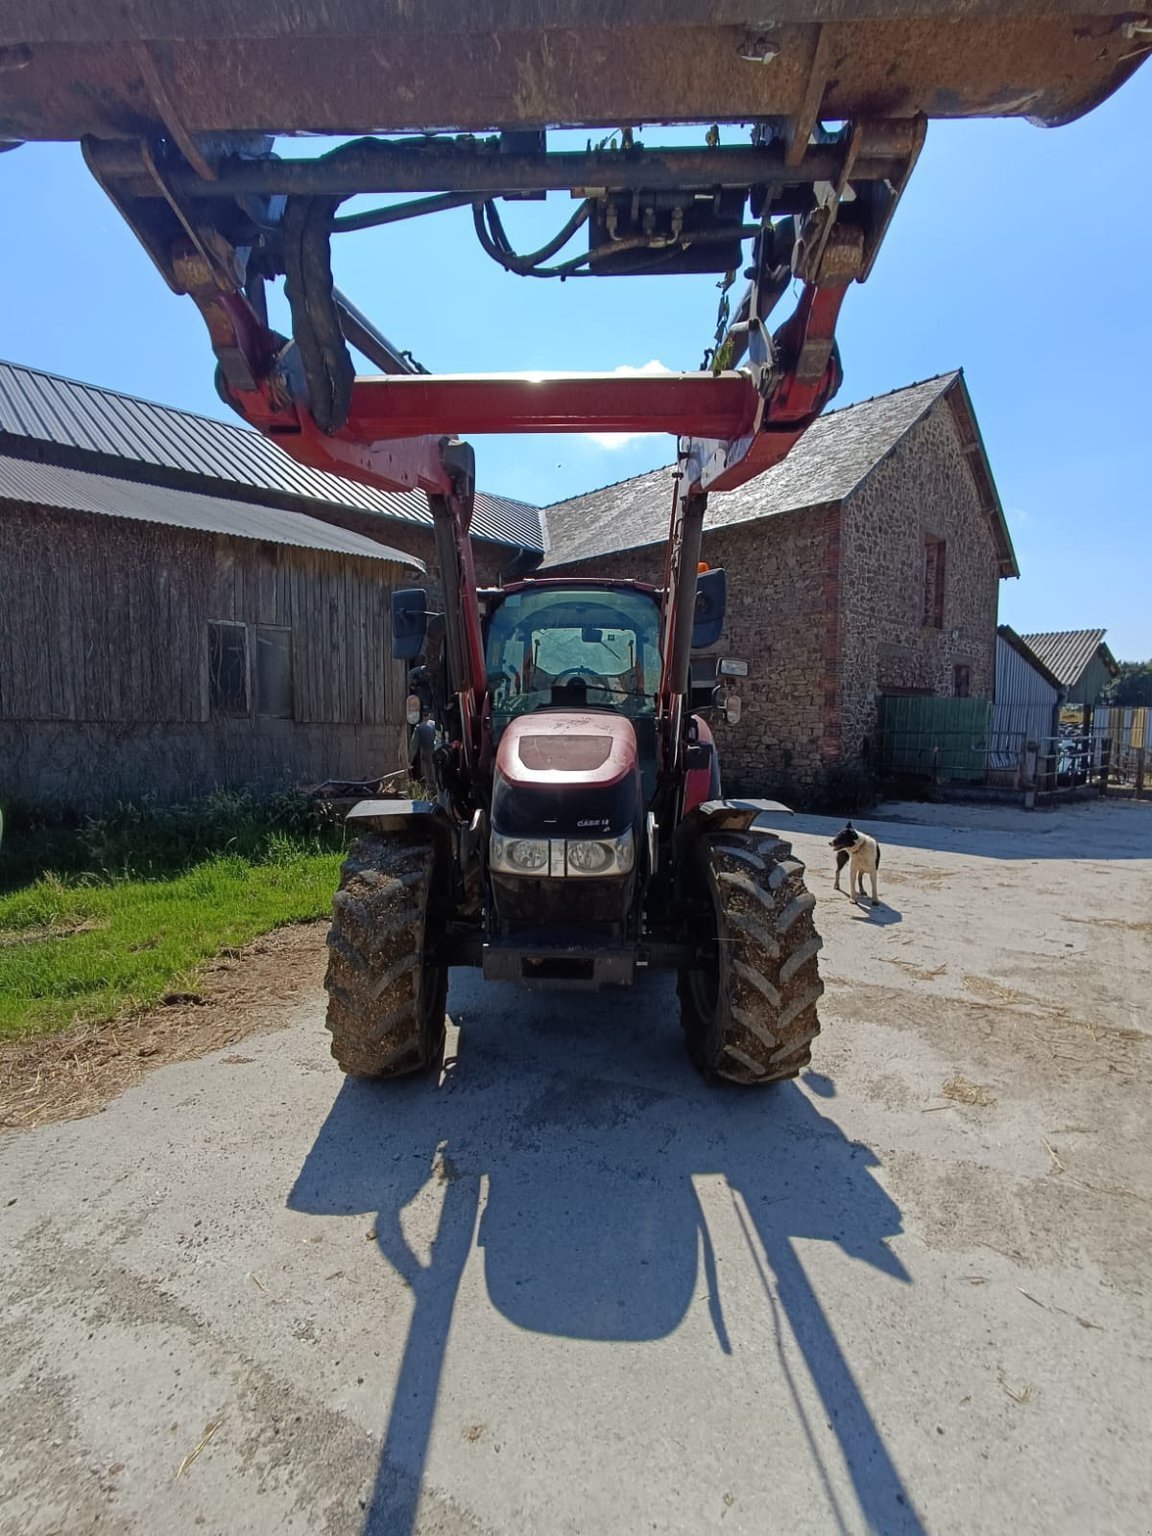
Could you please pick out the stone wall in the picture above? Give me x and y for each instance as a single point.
(781, 586)
(922, 490)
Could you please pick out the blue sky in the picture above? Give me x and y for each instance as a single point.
(1018, 253)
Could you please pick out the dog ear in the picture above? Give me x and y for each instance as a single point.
(848, 828)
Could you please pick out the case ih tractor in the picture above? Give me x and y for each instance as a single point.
(578, 834)
(576, 831)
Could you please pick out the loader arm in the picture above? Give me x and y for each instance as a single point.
(401, 429)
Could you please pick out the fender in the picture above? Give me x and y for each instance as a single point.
(729, 815)
(426, 817)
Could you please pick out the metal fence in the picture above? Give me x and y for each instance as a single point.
(940, 742)
(934, 739)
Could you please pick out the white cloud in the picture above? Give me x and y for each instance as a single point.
(610, 441)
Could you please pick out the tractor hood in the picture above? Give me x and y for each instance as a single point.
(557, 747)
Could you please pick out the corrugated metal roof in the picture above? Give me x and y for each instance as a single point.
(75, 490)
(827, 464)
(1019, 645)
(46, 408)
(1067, 652)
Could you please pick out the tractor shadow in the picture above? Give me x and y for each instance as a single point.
(566, 1138)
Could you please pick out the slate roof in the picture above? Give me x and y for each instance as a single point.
(826, 465)
(139, 440)
(1067, 652)
(74, 490)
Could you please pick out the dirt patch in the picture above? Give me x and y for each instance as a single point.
(1020, 1043)
(75, 1073)
(1052, 1220)
(966, 1092)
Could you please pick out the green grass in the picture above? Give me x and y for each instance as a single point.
(84, 949)
(100, 914)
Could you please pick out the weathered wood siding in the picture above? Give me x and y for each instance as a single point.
(104, 683)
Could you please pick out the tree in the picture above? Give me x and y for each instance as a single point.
(1133, 686)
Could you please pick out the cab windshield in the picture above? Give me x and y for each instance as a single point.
(556, 645)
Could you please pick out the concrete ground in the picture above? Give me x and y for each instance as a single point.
(572, 1289)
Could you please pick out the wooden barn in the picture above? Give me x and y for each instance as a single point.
(164, 642)
(184, 607)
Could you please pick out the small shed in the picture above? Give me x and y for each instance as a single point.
(1025, 708)
(166, 642)
(1027, 701)
(1079, 659)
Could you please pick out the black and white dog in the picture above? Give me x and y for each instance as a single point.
(862, 855)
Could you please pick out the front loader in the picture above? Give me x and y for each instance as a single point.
(575, 832)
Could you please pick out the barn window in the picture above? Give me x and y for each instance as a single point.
(933, 615)
(228, 668)
(274, 672)
(962, 681)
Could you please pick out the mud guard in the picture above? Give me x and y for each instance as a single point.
(424, 816)
(730, 815)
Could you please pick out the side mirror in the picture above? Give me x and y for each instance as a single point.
(728, 705)
(711, 601)
(409, 622)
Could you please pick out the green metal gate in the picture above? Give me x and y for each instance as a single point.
(944, 739)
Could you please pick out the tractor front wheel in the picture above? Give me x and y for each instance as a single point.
(748, 1002)
(386, 996)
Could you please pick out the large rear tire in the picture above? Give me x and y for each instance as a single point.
(749, 1003)
(386, 1001)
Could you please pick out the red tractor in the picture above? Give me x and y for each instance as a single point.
(576, 831)
(577, 834)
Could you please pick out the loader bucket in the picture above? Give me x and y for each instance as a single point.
(70, 68)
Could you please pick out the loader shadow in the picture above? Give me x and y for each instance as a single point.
(573, 1131)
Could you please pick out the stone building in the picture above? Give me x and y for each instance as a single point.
(866, 564)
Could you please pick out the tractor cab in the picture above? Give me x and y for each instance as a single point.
(573, 677)
(567, 648)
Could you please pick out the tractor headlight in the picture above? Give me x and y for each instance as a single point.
(608, 856)
(519, 855)
(600, 856)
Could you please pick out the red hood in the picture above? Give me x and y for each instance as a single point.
(562, 747)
